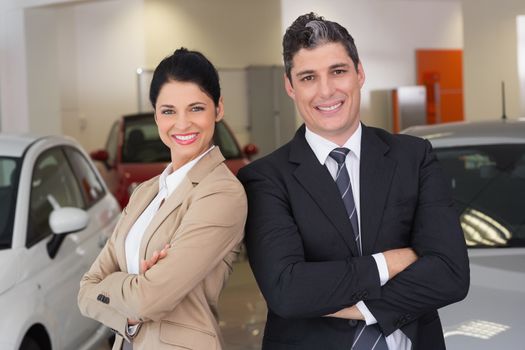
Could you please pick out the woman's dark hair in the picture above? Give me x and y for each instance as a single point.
(186, 66)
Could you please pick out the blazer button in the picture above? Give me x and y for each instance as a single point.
(352, 323)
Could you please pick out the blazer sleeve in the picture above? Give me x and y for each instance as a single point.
(441, 274)
(292, 286)
(211, 227)
(104, 265)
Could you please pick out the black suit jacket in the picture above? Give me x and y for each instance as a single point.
(301, 248)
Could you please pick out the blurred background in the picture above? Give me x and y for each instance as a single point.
(77, 67)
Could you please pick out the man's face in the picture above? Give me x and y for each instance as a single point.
(326, 89)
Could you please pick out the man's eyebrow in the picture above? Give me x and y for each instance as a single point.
(304, 72)
(339, 65)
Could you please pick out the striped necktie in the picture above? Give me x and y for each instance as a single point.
(366, 337)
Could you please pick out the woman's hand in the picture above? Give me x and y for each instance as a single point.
(145, 265)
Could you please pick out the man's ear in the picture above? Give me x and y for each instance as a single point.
(220, 110)
(289, 87)
(360, 75)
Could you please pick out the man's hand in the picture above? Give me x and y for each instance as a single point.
(349, 313)
(145, 265)
(399, 259)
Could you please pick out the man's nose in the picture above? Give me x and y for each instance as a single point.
(326, 87)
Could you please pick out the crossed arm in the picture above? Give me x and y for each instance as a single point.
(197, 246)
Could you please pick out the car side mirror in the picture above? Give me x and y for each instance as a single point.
(101, 155)
(250, 150)
(63, 221)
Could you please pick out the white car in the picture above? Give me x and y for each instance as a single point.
(55, 215)
(485, 163)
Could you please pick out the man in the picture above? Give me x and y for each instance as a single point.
(351, 233)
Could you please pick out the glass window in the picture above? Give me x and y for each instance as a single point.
(8, 188)
(142, 143)
(90, 186)
(226, 142)
(52, 183)
(488, 186)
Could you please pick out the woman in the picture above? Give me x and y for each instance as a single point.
(184, 226)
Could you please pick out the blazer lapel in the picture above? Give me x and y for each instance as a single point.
(318, 182)
(133, 211)
(376, 172)
(199, 171)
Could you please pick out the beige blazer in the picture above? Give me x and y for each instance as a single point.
(177, 298)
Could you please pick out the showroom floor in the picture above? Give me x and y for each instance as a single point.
(242, 311)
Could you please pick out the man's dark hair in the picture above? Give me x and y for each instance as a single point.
(186, 66)
(309, 31)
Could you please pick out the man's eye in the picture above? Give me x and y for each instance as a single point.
(307, 78)
(339, 71)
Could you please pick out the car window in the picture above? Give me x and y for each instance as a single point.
(90, 186)
(52, 180)
(488, 186)
(142, 143)
(226, 142)
(8, 186)
(112, 144)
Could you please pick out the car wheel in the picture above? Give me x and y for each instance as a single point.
(29, 344)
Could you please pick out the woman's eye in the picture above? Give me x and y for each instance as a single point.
(167, 111)
(197, 108)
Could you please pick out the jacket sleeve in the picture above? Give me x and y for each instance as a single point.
(292, 286)
(441, 274)
(211, 227)
(104, 265)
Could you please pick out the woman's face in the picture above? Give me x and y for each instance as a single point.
(186, 118)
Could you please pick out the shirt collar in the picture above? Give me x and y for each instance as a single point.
(322, 147)
(169, 179)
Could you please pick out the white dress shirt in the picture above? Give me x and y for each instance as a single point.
(322, 148)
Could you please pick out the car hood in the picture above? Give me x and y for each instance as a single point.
(139, 172)
(491, 317)
(9, 271)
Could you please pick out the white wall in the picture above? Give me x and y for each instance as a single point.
(387, 33)
(101, 46)
(490, 57)
(521, 60)
(43, 88)
(13, 75)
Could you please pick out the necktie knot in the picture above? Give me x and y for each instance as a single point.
(339, 154)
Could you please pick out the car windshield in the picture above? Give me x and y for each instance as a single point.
(142, 143)
(8, 185)
(488, 185)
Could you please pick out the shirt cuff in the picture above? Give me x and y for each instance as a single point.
(369, 318)
(381, 267)
(131, 331)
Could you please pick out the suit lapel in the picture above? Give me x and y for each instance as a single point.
(199, 171)
(318, 182)
(376, 172)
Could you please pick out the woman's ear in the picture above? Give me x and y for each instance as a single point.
(220, 110)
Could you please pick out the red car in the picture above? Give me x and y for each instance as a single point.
(134, 153)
